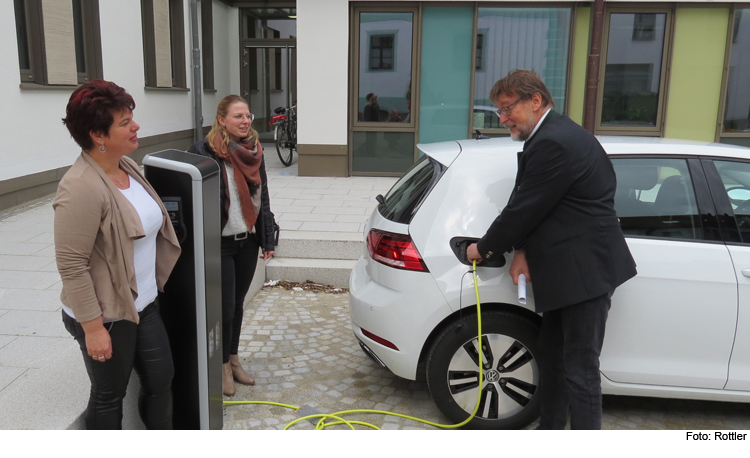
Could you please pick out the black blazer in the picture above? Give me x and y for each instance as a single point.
(562, 212)
(265, 224)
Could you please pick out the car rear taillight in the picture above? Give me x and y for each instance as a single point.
(394, 250)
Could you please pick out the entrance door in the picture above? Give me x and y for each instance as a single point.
(271, 82)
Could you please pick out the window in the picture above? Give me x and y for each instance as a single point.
(381, 52)
(631, 97)
(543, 49)
(207, 45)
(736, 179)
(655, 198)
(382, 95)
(479, 61)
(275, 67)
(383, 136)
(403, 200)
(58, 41)
(163, 43)
(736, 122)
(644, 27)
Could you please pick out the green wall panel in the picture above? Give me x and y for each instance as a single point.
(696, 73)
(445, 93)
(579, 62)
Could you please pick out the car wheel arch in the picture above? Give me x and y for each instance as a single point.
(453, 317)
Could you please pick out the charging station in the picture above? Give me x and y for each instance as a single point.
(188, 185)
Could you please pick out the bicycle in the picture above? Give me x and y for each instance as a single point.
(285, 132)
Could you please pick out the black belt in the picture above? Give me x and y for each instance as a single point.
(237, 237)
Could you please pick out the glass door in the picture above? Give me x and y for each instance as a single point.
(271, 82)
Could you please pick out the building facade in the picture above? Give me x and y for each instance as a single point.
(371, 79)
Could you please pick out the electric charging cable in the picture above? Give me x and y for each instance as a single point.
(338, 416)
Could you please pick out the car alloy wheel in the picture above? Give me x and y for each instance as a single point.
(511, 374)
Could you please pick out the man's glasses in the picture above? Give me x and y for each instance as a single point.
(240, 117)
(506, 110)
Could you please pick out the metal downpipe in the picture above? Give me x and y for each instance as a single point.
(594, 63)
(196, 79)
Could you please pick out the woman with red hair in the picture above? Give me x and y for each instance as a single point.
(115, 248)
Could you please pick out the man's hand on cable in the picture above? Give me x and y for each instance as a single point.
(519, 266)
(472, 253)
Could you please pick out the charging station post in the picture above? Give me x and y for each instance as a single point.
(190, 305)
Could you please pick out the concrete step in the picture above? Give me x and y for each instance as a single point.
(320, 245)
(334, 272)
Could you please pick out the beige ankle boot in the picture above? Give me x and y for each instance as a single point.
(240, 376)
(227, 380)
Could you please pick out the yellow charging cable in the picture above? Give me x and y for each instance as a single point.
(338, 415)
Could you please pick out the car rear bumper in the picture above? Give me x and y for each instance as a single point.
(404, 313)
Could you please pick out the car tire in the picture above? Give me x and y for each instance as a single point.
(510, 397)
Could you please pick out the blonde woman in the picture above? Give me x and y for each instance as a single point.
(247, 223)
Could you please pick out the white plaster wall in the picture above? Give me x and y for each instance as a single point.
(157, 112)
(322, 71)
(36, 139)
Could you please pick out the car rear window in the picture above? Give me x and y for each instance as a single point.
(405, 197)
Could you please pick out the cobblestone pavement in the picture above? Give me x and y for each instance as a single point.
(301, 350)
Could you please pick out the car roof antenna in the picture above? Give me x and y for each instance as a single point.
(480, 136)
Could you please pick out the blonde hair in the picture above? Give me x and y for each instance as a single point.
(217, 130)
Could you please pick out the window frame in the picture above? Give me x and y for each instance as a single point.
(177, 45)
(355, 125)
(382, 126)
(380, 35)
(92, 41)
(721, 136)
(658, 129)
(37, 74)
(727, 220)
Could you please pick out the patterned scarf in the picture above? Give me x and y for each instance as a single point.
(245, 159)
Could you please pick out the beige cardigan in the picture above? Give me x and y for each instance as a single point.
(95, 226)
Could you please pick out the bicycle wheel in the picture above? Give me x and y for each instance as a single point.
(282, 145)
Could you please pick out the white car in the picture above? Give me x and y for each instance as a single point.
(679, 329)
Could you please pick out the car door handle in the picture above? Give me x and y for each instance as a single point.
(746, 272)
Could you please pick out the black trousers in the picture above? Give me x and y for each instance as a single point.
(570, 343)
(238, 261)
(144, 346)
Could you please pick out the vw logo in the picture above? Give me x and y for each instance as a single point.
(492, 376)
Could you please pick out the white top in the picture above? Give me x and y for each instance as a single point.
(145, 247)
(236, 222)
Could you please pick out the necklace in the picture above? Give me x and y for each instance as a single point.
(122, 185)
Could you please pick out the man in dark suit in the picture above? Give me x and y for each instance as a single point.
(562, 223)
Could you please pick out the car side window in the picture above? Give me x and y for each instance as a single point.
(655, 198)
(735, 176)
